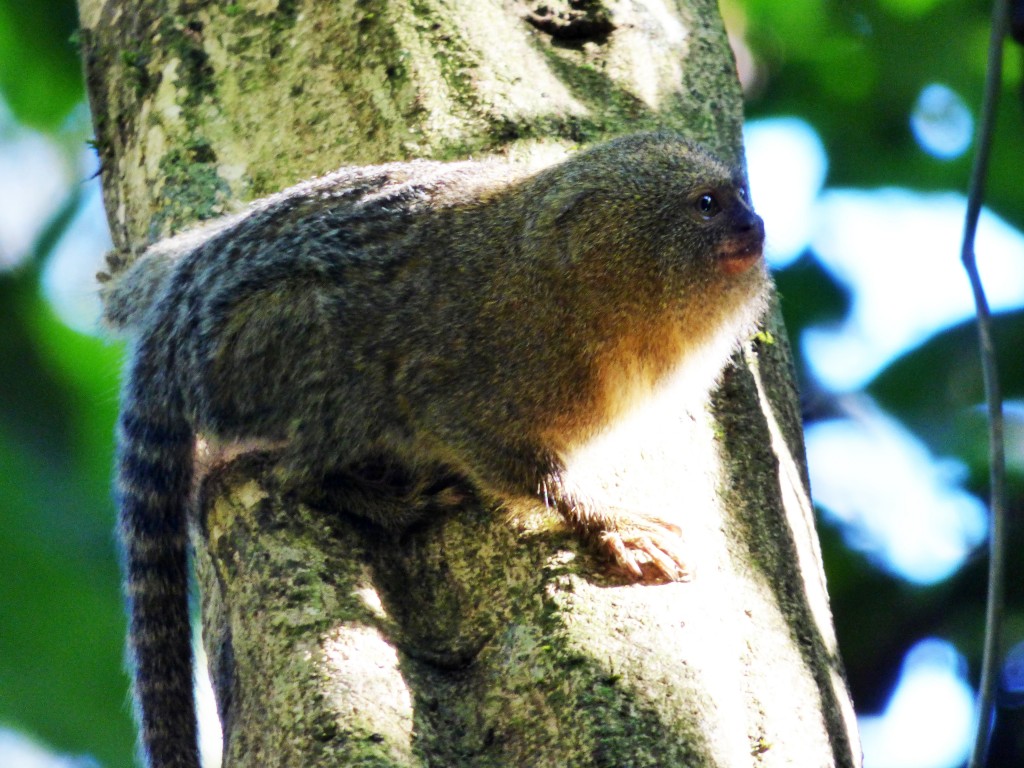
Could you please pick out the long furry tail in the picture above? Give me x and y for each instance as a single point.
(154, 478)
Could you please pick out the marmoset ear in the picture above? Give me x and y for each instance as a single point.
(559, 213)
(560, 206)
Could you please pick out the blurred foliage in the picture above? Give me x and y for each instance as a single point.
(40, 74)
(852, 69)
(61, 620)
(63, 627)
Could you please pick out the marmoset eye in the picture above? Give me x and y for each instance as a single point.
(707, 205)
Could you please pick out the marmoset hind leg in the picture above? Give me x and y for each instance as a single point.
(280, 377)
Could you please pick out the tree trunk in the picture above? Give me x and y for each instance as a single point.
(475, 640)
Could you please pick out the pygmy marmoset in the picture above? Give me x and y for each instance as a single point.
(467, 318)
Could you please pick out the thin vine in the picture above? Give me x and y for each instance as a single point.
(993, 396)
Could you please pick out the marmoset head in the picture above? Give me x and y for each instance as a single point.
(734, 234)
(655, 210)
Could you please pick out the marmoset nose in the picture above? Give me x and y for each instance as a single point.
(749, 224)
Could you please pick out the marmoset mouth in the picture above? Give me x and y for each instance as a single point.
(738, 254)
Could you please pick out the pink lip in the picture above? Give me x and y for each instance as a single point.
(740, 258)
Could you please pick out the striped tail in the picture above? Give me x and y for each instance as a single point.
(154, 478)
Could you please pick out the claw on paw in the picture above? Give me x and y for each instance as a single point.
(648, 556)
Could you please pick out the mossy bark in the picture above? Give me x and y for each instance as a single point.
(473, 640)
